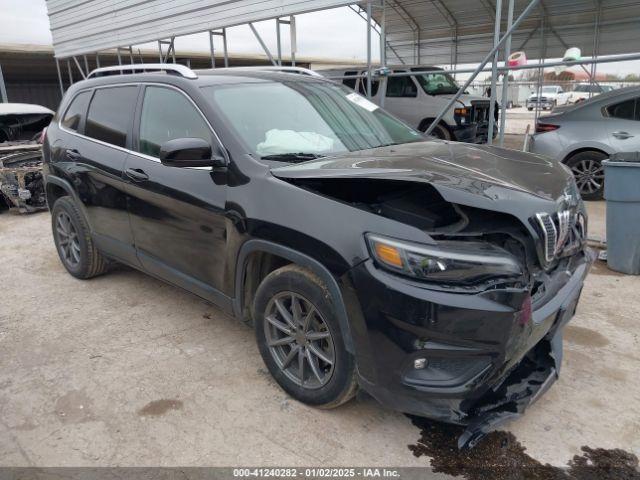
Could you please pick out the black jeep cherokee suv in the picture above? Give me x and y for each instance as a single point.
(436, 276)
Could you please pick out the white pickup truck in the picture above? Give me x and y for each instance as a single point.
(419, 98)
(581, 92)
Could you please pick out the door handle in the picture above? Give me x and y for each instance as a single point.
(622, 135)
(72, 154)
(136, 174)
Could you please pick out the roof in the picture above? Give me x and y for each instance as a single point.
(418, 31)
(22, 109)
(201, 78)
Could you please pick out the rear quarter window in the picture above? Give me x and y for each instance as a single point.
(76, 111)
(111, 114)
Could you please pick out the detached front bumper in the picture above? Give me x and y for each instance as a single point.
(487, 356)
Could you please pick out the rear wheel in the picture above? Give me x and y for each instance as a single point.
(589, 173)
(75, 246)
(300, 339)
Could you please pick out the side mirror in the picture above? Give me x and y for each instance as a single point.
(189, 152)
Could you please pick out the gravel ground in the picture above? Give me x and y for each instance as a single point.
(125, 370)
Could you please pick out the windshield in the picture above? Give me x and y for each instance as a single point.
(437, 82)
(295, 120)
(588, 88)
(549, 89)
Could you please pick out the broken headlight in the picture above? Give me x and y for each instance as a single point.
(452, 262)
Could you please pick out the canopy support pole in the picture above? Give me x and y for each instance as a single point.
(505, 78)
(262, 44)
(3, 88)
(369, 49)
(494, 73)
(596, 47)
(59, 78)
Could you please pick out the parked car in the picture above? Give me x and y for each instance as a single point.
(582, 92)
(22, 121)
(21, 183)
(546, 99)
(419, 98)
(437, 276)
(583, 135)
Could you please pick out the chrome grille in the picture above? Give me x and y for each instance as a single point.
(550, 235)
(560, 230)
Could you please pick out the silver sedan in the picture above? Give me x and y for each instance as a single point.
(583, 135)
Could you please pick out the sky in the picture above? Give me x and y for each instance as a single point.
(331, 34)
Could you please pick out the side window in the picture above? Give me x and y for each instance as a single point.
(110, 114)
(625, 110)
(166, 115)
(362, 88)
(350, 82)
(76, 111)
(401, 87)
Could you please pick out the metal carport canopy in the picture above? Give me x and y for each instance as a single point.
(461, 31)
(417, 31)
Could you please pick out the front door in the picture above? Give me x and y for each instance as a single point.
(177, 213)
(401, 99)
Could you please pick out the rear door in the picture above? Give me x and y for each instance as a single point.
(95, 151)
(623, 125)
(177, 213)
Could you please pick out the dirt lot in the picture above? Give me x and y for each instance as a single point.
(125, 370)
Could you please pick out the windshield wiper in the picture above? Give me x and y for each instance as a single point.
(292, 156)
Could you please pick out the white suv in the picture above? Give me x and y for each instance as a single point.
(418, 99)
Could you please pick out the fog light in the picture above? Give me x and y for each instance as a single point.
(419, 363)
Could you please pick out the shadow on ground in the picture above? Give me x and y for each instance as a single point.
(499, 456)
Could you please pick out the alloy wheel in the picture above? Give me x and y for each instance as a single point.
(589, 175)
(299, 340)
(68, 242)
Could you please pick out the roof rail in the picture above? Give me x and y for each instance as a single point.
(171, 68)
(269, 68)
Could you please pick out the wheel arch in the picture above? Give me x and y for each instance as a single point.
(258, 246)
(582, 150)
(56, 187)
(425, 122)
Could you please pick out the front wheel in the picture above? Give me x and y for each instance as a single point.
(300, 339)
(589, 173)
(439, 131)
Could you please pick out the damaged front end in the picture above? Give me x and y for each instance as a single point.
(466, 327)
(21, 182)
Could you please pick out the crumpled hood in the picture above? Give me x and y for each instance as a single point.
(474, 169)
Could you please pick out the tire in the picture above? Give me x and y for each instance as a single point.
(73, 242)
(439, 131)
(322, 383)
(589, 173)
